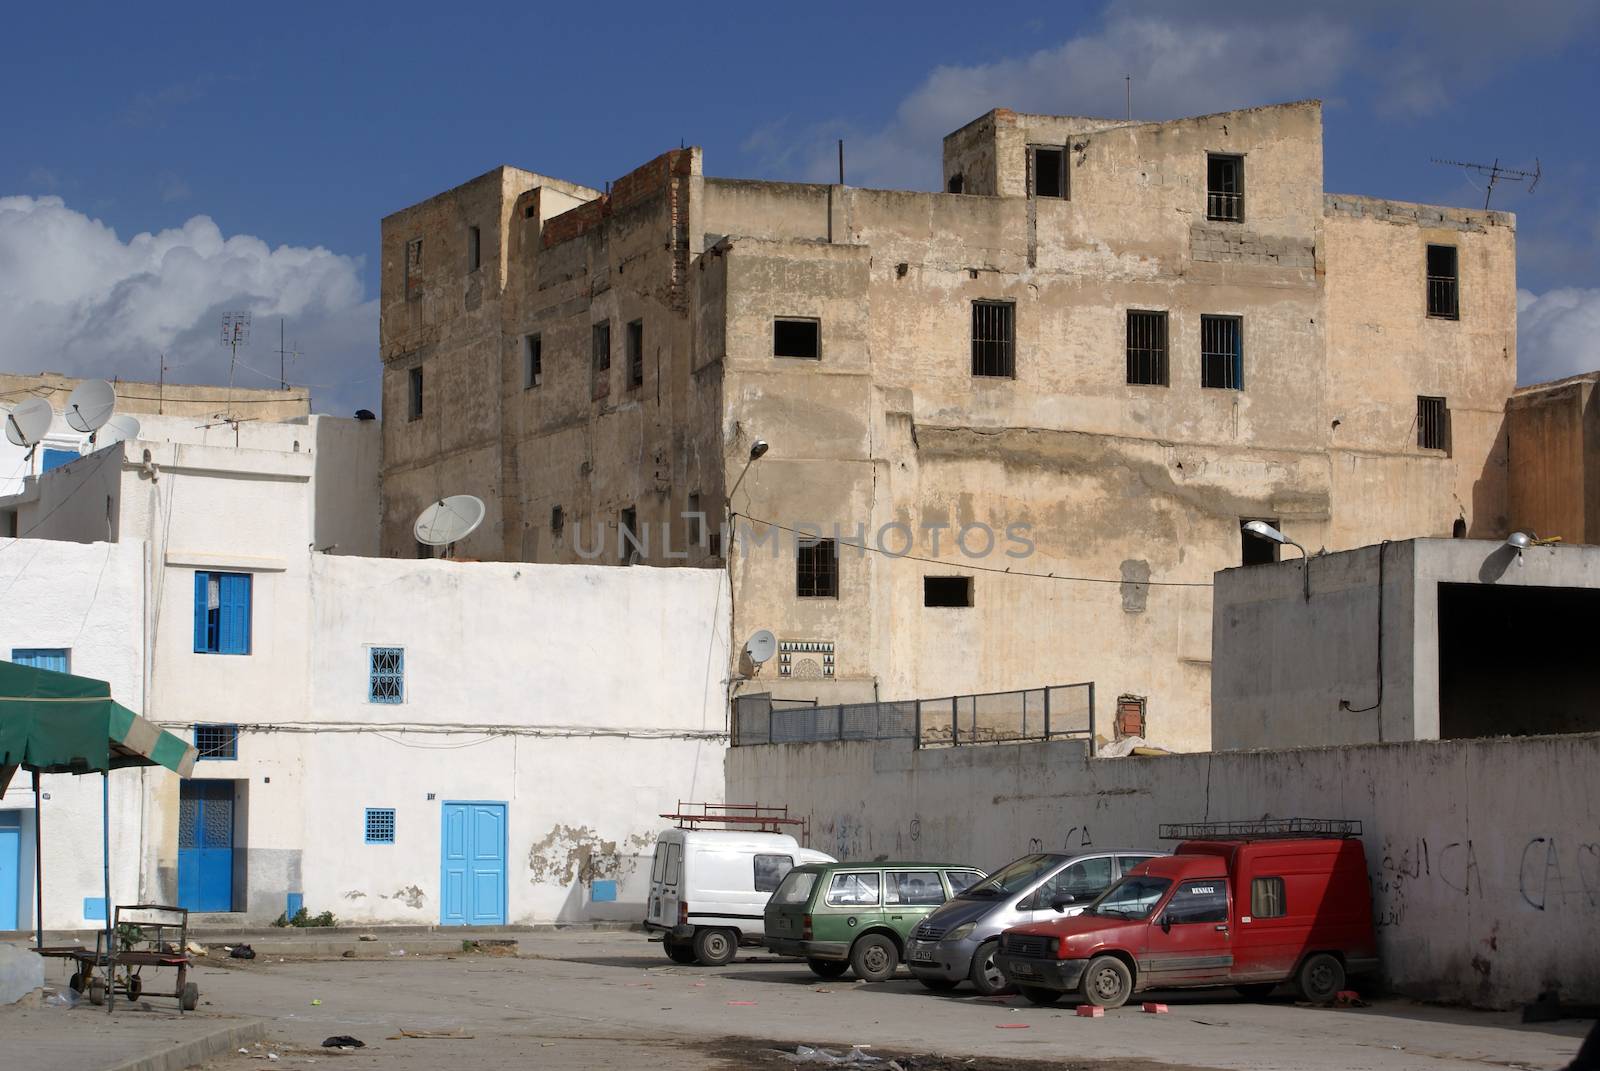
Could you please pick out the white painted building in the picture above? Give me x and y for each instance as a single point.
(395, 740)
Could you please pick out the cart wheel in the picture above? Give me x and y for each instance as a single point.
(190, 1000)
(134, 987)
(97, 991)
(76, 982)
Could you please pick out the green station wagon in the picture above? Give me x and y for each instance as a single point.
(857, 916)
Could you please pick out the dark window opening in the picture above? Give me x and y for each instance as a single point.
(558, 519)
(696, 522)
(714, 544)
(1047, 169)
(414, 405)
(955, 183)
(1221, 353)
(532, 362)
(528, 210)
(1433, 424)
(474, 249)
(413, 266)
(816, 573)
(994, 339)
(629, 549)
(1458, 530)
(1443, 282)
(600, 348)
(794, 336)
(1256, 550)
(1147, 348)
(947, 591)
(1225, 188)
(636, 354)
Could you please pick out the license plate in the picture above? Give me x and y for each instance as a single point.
(922, 955)
(1024, 969)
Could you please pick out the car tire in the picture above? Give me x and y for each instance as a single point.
(985, 975)
(1320, 978)
(1041, 997)
(827, 968)
(938, 985)
(1107, 983)
(874, 958)
(679, 951)
(1256, 990)
(714, 947)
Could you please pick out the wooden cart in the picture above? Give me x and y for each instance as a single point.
(152, 936)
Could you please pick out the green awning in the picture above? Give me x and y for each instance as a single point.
(60, 723)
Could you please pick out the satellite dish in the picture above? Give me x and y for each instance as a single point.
(761, 646)
(449, 520)
(120, 427)
(90, 406)
(28, 422)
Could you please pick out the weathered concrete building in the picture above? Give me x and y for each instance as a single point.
(1553, 443)
(1045, 400)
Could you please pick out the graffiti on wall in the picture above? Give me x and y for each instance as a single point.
(1552, 873)
(1555, 873)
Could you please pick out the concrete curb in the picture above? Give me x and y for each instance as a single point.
(198, 1050)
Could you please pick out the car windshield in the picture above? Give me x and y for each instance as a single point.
(795, 888)
(1013, 877)
(1130, 898)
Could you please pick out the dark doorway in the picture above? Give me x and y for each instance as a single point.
(1517, 661)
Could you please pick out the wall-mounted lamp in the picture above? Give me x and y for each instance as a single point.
(1263, 530)
(1519, 542)
(757, 449)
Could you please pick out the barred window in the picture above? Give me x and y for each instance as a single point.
(387, 681)
(1433, 424)
(1444, 282)
(1147, 348)
(217, 741)
(380, 825)
(1267, 898)
(994, 339)
(817, 569)
(1221, 353)
(636, 354)
(1225, 188)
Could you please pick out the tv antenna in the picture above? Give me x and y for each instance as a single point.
(1495, 173)
(235, 333)
(285, 355)
(448, 521)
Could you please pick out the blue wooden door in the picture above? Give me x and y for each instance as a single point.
(472, 849)
(10, 867)
(205, 845)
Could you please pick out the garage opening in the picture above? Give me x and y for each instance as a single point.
(1517, 661)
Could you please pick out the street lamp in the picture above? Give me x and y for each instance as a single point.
(757, 448)
(1519, 542)
(1263, 530)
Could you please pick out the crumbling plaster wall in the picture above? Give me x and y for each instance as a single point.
(1553, 443)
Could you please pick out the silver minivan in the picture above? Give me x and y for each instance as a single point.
(957, 942)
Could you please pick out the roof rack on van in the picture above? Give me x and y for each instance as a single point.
(1262, 828)
(755, 816)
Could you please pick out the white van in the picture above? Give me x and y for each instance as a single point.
(709, 888)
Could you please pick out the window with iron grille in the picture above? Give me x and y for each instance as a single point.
(386, 682)
(217, 741)
(994, 339)
(1147, 348)
(380, 825)
(600, 348)
(1433, 424)
(1221, 353)
(1443, 283)
(1225, 188)
(816, 573)
(1047, 171)
(636, 354)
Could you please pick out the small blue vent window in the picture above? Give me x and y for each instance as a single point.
(387, 681)
(217, 741)
(56, 658)
(380, 825)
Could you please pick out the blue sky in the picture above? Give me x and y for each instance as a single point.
(161, 165)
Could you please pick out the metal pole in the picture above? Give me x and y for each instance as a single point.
(1047, 712)
(955, 720)
(38, 863)
(105, 865)
(1091, 719)
(841, 161)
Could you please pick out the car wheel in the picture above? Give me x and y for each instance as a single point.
(679, 951)
(1041, 997)
(938, 985)
(714, 947)
(1321, 977)
(827, 968)
(874, 958)
(1107, 983)
(985, 974)
(1256, 990)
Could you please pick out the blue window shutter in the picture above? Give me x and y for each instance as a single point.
(51, 658)
(200, 646)
(235, 630)
(54, 459)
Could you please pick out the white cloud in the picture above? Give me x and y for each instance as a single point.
(1558, 333)
(75, 298)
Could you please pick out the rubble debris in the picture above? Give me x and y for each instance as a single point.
(341, 1041)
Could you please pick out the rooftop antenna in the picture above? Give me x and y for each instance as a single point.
(235, 333)
(1127, 95)
(294, 354)
(1496, 173)
(841, 161)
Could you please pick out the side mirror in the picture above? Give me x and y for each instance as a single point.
(1061, 901)
(1166, 923)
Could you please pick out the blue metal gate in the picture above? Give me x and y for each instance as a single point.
(10, 867)
(205, 845)
(472, 850)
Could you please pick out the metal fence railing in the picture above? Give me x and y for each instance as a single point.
(1061, 710)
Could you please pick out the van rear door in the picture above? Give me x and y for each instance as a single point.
(666, 880)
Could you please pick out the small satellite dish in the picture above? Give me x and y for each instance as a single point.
(120, 427)
(28, 422)
(449, 520)
(761, 646)
(90, 406)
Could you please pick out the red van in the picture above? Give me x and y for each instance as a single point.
(1249, 913)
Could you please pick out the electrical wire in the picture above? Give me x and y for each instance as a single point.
(986, 568)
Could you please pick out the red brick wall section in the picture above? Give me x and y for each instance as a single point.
(637, 185)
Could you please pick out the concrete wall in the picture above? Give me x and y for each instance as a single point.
(1553, 435)
(1485, 877)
